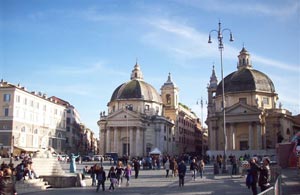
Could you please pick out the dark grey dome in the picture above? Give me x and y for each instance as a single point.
(136, 89)
(246, 80)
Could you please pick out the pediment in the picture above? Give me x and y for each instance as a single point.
(241, 109)
(122, 115)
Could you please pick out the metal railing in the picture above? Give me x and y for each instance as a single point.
(274, 190)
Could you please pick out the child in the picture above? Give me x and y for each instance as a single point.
(127, 173)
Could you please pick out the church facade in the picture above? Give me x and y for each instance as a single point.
(139, 120)
(135, 124)
(254, 119)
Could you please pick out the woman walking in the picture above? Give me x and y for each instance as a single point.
(119, 172)
(201, 168)
(167, 167)
(113, 178)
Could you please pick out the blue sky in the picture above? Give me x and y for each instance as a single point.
(82, 50)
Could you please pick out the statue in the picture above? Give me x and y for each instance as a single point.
(73, 163)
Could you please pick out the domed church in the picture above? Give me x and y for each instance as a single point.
(254, 122)
(135, 124)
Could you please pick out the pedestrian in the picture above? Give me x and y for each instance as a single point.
(113, 178)
(127, 173)
(101, 177)
(175, 168)
(201, 167)
(93, 175)
(172, 167)
(181, 173)
(193, 168)
(234, 165)
(7, 184)
(119, 171)
(167, 166)
(136, 166)
(265, 175)
(254, 168)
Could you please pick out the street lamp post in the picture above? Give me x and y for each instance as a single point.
(127, 107)
(201, 104)
(221, 47)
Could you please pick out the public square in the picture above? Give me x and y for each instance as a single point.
(154, 182)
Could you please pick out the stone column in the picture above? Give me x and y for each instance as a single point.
(138, 142)
(233, 137)
(131, 141)
(107, 140)
(250, 136)
(116, 141)
(230, 143)
(259, 136)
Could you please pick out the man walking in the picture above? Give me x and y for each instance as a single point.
(181, 173)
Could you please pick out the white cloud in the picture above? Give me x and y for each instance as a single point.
(186, 42)
(277, 9)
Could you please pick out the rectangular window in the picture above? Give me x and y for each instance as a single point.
(266, 100)
(6, 111)
(243, 100)
(25, 101)
(147, 107)
(6, 97)
(18, 98)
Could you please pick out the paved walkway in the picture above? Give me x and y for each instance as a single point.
(154, 182)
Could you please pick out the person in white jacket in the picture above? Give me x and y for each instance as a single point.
(167, 166)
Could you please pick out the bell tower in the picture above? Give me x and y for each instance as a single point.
(244, 59)
(169, 96)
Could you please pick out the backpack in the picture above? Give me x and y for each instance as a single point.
(249, 179)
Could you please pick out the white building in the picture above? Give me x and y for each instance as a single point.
(29, 120)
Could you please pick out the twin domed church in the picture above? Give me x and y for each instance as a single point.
(139, 119)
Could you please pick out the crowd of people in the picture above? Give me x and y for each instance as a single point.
(174, 167)
(9, 174)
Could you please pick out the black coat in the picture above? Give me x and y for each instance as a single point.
(264, 176)
(7, 186)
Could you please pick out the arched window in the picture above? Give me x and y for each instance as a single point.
(168, 98)
(23, 130)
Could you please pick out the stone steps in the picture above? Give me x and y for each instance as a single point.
(31, 185)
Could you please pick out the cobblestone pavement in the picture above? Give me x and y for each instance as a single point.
(154, 182)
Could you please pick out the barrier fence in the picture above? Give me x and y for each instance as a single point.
(274, 190)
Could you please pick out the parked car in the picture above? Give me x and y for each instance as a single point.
(98, 157)
(86, 158)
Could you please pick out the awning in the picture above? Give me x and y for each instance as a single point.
(155, 151)
(26, 149)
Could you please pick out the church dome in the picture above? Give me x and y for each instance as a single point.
(136, 89)
(246, 79)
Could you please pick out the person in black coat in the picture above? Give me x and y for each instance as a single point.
(101, 177)
(136, 166)
(254, 168)
(7, 184)
(181, 173)
(265, 175)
